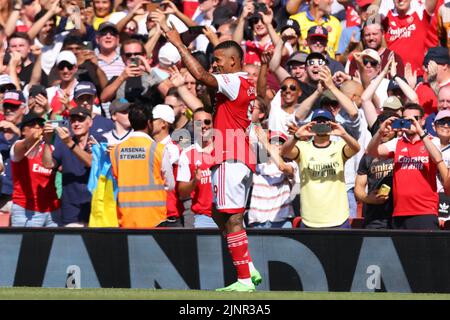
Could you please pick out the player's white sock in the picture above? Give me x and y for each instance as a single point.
(246, 281)
(251, 266)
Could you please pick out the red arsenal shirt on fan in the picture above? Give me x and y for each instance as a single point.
(414, 186)
(34, 185)
(406, 35)
(234, 104)
(202, 194)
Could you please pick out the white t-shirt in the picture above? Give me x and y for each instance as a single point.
(278, 118)
(172, 150)
(50, 53)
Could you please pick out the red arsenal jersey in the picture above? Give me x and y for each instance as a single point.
(202, 194)
(406, 36)
(414, 187)
(34, 185)
(234, 105)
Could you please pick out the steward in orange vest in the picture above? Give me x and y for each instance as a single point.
(143, 174)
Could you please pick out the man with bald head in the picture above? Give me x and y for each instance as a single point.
(234, 161)
(443, 104)
(354, 90)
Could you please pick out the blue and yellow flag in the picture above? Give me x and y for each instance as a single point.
(103, 187)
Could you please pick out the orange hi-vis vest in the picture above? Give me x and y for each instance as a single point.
(141, 198)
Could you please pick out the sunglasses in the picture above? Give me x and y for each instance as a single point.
(77, 119)
(104, 33)
(443, 122)
(132, 54)
(318, 62)
(372, 62)
(291, 87)
(63, 65)
(199, 123)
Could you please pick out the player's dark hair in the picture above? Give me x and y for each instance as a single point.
(139, 115)
(230, 44)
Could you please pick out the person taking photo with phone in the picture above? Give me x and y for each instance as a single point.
(35, 203)
(323, 201)
(416, 162)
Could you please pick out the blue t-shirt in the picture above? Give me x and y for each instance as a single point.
(75, 198)
(6, 177)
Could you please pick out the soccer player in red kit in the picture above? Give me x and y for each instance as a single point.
(231, 175)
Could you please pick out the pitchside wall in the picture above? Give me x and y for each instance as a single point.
(308, 260)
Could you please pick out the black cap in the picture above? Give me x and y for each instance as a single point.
(79, 111)
(37, 89)
(318, 31)
(31, 117)
(316, 55)
(107, 25)
(438, 55)
(291, 23)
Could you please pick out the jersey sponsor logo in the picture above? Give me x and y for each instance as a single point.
(323, 170)
(39, 169)
(381, 170)
(413, 163)
(251, 91)
(133, 153)
(401, 33)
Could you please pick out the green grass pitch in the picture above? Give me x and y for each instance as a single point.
(25, 293)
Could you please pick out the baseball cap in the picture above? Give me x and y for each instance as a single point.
(277, 136)
(290, 23)
(14, 97)
(317, 31)
(67, 56)
(31, 117)
(316, 55)
(5, 79)
(322, 113)
(328, 98)
(168, 54)
(118, 105)
(393, 103)
(393, 85)
(107, 25)
(37, 89)
(363, 3)
(442, 114)
(438, 55)
(84, 87)
(298, 56)
(79, 111)
(371, 54)
(164, 112)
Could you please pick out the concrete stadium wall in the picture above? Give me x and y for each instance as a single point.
(308, 260)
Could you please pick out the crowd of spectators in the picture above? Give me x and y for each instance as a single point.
(351, 116)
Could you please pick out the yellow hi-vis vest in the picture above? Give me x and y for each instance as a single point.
(141, 198)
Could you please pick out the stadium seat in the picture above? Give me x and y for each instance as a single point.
(296, 222)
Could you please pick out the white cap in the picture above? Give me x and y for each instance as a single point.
(371, 54)
(5, 79)
(168, 54)
(164, 112)
(68, 56)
